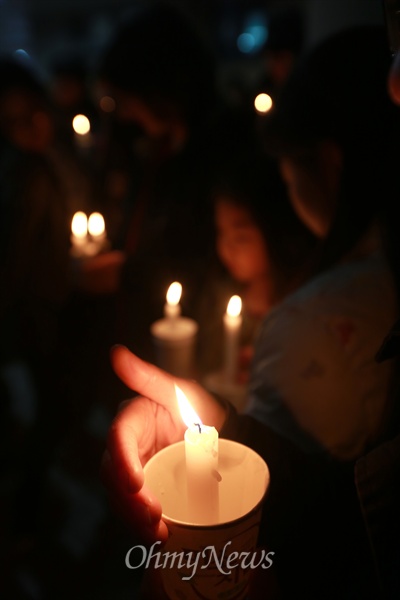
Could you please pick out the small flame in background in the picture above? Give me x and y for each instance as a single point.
(81, 124)
(263, 103)
(96, 225)
(79, 225)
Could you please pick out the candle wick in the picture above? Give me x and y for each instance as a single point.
(198, 425)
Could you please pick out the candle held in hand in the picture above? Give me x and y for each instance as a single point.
(201, 454)
(232, 326)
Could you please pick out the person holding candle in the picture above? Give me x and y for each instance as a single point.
(313, 378)
(263, 249)
(315, 473)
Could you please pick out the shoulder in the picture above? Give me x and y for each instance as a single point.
(359, 290)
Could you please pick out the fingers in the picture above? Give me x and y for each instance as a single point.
(159, 386)
(141, 511)
(142, 377)
(122, 446)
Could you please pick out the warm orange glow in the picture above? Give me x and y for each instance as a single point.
(81, 124)
(96, 225)
(174, 293)
(263, 103)
(234, 306)
(107, 104)
(189, 415)
(79, 224)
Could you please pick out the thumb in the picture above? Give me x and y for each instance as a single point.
(144, 378)
(158, 386)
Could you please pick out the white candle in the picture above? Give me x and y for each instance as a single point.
(174, 337)
(232, 326)
(172, 308)
(201, 455)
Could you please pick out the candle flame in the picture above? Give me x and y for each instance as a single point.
(189, 415)
(81, 124)
(234, 306)
(174, 293)
(263, 103)
(79, 224)
(96, 224)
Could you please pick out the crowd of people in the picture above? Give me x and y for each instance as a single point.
(295, 210)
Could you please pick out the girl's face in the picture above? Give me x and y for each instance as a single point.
(240, 244)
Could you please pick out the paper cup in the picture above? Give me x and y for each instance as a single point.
(174, 342)
(212, 561)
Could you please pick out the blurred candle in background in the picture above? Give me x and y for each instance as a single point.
(174, 337)
(79, 232)
(81, 127)
(96, 226)
(232, 328)
(263, 103)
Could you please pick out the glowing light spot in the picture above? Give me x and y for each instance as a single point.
(79, 224)
(246, 42)
(96, 224)
(263, 103)
(234, 306)
(174, 293)
(81, 124)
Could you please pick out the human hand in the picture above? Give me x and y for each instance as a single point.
(142, 427)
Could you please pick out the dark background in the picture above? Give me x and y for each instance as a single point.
(51, 29)
(80, 552)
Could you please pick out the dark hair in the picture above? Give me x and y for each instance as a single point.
(338, 92)
(158, 55)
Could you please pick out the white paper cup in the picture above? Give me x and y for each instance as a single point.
(212, 570)
(174, 342)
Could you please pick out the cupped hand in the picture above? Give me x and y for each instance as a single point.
(142, 427)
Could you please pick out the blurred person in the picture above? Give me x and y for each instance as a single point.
(27, 120)
(377, 473)
(71, 94)
(160, 75)
(311, 515)
(263, 248)
(53, 329)
(323, 135)
(34, 273)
